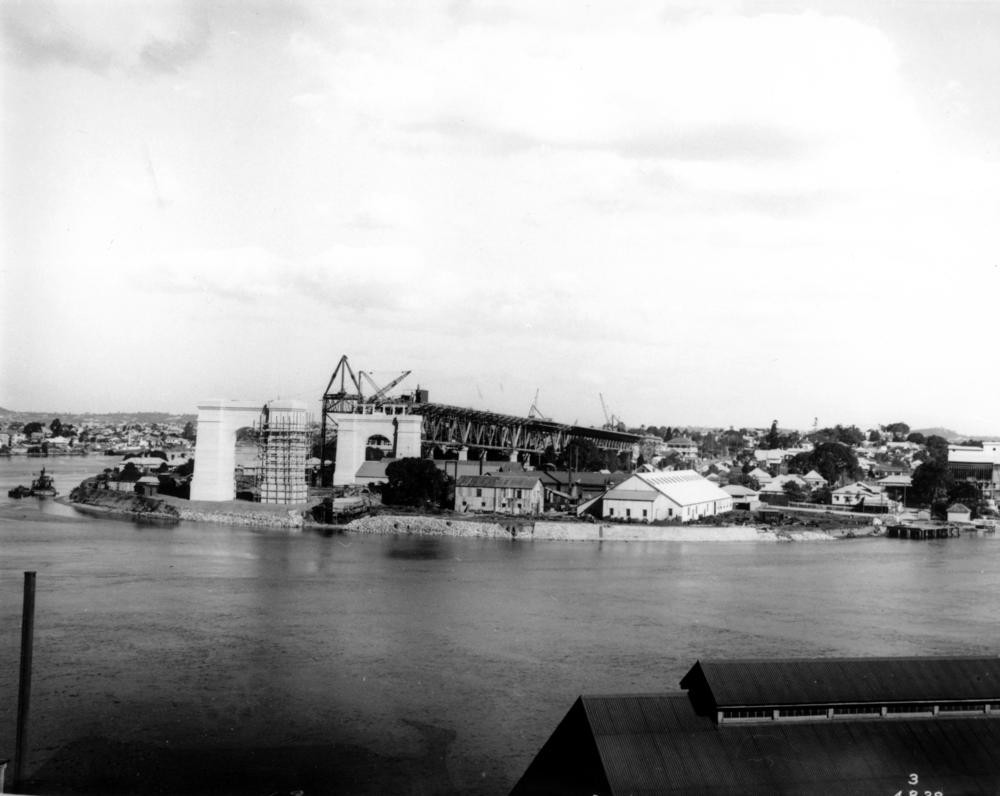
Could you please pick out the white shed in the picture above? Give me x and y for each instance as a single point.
(680, 494)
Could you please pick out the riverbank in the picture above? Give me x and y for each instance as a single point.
(546, 530)
(125, 505)
(298, 517)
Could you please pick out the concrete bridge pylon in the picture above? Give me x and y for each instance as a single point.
(215, 449)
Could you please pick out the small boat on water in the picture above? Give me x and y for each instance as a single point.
(43, 486)
(19, 492)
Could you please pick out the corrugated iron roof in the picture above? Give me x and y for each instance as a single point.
(742, 683)
(631, 494)
(498, 480)
(683, 487)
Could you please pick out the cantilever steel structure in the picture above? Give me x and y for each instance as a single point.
(455, 426)
(364, 420)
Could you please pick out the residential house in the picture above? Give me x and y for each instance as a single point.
(895, 486)
(761, 476)
(774, 491)
(882, 469)
(867, 497)
(769, 457)
(814, 480)
(683, 446)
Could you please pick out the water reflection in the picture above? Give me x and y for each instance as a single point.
(420, 548)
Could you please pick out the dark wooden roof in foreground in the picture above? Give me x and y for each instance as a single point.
(832, 681)
(657, 744)
(674, 744)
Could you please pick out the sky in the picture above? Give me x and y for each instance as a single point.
(709, 213)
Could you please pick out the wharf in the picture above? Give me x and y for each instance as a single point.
(923, 530)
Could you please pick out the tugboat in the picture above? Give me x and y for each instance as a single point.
(43, 486)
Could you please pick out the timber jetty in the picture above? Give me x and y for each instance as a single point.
(923, 530)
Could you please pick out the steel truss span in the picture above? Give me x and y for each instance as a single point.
(455, 426)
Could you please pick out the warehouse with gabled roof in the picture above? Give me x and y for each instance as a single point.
(832, 726)
(681, 495)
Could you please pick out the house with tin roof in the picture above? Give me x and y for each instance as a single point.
(814, 479)
(683, 446)
(762, 477)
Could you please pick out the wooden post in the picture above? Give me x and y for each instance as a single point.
(24, 687)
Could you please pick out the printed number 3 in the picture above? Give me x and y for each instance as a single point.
(914, 779)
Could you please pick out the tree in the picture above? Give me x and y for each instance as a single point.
(822, 495)
(832, 460)
(931, 482)
(874, 436)
(415, 482)
(773, 439)
(582, 455)
(56, 427)
(32, 428)
(898, 430)
(916, 437)
(794, 491)
(968, 494)
(130, 473)
(849, 435)
(744, 479)
(732, 440)
(670, 459)
(189, 433)
(937, 448)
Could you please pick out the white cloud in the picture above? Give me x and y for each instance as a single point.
(800, 75)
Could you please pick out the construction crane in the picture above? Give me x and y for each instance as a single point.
(342, 400)
(611, 422)
(345, 394)
(380, 392)
(534, 411)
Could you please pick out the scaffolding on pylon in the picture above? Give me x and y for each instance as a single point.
(283, 442)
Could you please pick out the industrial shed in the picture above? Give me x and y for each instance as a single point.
(645, 497)
(836, 726)
(501, 493)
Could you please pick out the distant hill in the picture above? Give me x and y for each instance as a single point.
(947, 433)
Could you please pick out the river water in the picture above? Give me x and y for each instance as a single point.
(212, 659)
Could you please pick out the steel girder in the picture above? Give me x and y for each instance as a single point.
(454, 426)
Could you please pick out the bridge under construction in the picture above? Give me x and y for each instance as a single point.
(411, 425)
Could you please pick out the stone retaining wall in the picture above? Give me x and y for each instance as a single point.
(570, 531)
(291, 520)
